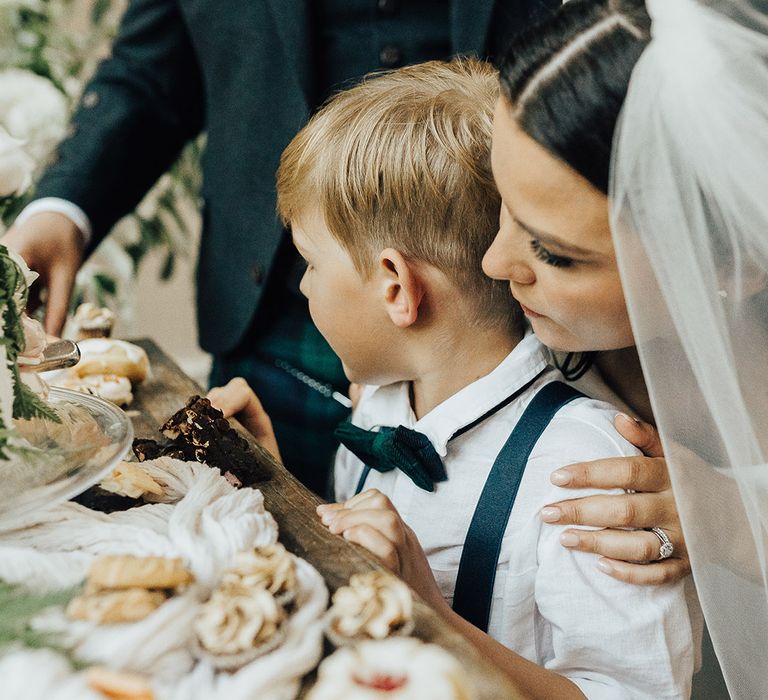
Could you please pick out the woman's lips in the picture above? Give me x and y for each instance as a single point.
(530, 313)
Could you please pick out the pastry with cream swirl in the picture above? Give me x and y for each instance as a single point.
(236, 626)
(271, 567)
(374, 605)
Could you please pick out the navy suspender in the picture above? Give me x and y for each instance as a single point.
(477, 569)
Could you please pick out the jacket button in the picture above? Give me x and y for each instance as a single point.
(90, 99)
(257, 274)
(390, 56)
(386, 7)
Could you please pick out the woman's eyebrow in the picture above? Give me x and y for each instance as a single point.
(550, 240)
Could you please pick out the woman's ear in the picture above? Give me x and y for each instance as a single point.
(402, 286)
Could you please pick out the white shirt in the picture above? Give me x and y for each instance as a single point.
(550, 604)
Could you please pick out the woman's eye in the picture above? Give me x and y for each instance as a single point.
(549, 258)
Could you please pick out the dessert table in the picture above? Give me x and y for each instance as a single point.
(293, 507)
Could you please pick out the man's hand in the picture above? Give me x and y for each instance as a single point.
(239, 400)
(651, 505)
(370, 520)
(52, 246)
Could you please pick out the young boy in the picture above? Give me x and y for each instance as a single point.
(390, 199)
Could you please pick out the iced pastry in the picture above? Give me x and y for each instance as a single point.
(109, 607)
(125, 588)
(391, 669)
(110, 387)
(270, 567)
(91, 321)
(128, 571)
(124, 488)
(131, 480)
(118, 685)
(374, 605)
(236, 626)
(108, 356)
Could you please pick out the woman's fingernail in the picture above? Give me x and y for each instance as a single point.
(569, 539)
(605, 566)
(561, 477)
(550, 514)
(327, 518)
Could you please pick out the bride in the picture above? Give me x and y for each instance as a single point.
(645, 235)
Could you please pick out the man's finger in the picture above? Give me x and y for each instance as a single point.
(60, 285)
(636, 510)
(627, 545)
(631, 473)
(642, 435)
(667, 571)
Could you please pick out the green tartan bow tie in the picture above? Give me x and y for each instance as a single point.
(395, 448)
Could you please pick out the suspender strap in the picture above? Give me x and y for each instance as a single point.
(477, 569)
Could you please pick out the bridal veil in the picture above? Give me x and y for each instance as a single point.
(689, 211)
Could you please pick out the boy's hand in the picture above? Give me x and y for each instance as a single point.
(239, 400)
(650, 505)
(370, 520)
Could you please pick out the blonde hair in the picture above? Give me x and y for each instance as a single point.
(402, 160)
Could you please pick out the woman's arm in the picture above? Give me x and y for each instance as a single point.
(652, 505)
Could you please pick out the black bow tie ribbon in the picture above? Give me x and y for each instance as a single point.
(395, 448)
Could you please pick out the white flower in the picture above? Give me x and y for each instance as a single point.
(32, 109)
(16, 166)
(29, 276)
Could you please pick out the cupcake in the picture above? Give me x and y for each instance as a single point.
(374, 605)
(271, 567)
(391, 669)
(236, 626)
(91, 321)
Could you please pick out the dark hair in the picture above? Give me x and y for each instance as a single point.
(567, 76)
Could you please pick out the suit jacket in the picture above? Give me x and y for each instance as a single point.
(240, 71)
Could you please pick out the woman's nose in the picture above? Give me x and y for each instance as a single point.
(502, 262)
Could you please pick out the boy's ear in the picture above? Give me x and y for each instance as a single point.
(403, 287)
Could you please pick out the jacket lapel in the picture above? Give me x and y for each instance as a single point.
(470, 20)
(292, 23)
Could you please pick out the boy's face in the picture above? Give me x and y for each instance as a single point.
(346, 308)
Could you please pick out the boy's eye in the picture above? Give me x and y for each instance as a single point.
(549, 258)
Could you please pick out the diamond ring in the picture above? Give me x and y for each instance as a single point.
(667, 548)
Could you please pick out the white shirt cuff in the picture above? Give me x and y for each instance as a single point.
(60, 206)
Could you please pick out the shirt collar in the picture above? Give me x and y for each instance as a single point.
(390, 405)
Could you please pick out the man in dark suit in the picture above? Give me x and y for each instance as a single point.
(249, 74)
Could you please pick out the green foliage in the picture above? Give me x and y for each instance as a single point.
(27, 404)
(19, 606)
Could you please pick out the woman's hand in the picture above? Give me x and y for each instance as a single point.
(370, 520)
(239, 400)
(629, 555)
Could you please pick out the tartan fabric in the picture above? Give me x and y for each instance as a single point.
(304, 419)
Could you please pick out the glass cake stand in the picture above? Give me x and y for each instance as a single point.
(54, 462)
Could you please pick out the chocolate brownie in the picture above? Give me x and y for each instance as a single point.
(199, 432)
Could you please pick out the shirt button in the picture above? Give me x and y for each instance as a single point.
(257, 274)
(390, 56)
(90, 99)
(386, 7)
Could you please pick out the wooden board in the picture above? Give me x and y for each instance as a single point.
(293, 507)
